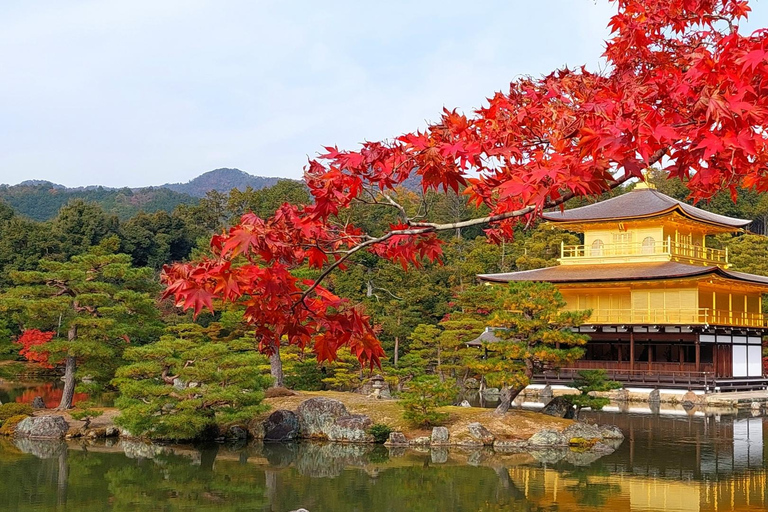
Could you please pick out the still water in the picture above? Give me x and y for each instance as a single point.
(670, 460)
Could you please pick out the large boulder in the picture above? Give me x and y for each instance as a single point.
(281, 426)
(546, 437)
(42, 427)
(480, 433)
(326, 418)
(559, 407)
(396, 439)
(440, 436)
(611, 432)
(317, 414)
(583, 431)
(351, 429)
(38, 403)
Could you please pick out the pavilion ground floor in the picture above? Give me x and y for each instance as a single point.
(708, 358)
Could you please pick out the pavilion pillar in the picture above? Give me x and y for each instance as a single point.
(698, 355)
(631, 349)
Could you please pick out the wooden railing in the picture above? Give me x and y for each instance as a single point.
(674, 250)
(660, 377)
(678, 316)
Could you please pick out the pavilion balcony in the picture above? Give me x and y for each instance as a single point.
(664, 250)
(672, 316)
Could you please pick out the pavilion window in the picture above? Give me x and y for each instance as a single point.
(597, 248)
(707, 353)
(649, 245)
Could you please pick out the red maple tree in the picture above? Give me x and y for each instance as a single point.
(34, 338)
(683, 88)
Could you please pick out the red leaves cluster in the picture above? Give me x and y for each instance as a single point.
(683, 88)
(34, 338)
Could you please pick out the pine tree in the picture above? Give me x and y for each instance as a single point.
(536, 334)
(96, 303)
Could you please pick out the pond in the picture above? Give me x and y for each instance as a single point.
(671, 460)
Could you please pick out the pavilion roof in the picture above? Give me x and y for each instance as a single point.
(620, 272)
(641, 202)
(488, 336)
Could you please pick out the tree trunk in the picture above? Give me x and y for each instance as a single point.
(276, 368)
(505, 400)
(69, 384)
(70, 366)
(397, 349)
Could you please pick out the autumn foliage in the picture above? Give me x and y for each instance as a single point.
(34, 338)
(683, 89)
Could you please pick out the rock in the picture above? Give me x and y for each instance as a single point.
(755, 406)
(621, 395)
(126, 434)
(351, 429)
(238, 433)
(111, 431)
(420, 441)
(396, 439)
(654, 396)
(467, 442)
(510, 446)
(491, 393)
(471, 383)
(582, 431)
(479, 432)
(317, 414)
(439, 455)
(546, 393)
(440, 436)
(179, 384)
(96, 433)
(42, 427)
(689, 400)
(281, 426)
(465, 403)
(611, 432)
(38, 403)
(547, 437)
(559, 407)
(300, 510)
(397, 451)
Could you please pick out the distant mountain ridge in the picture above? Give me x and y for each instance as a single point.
(41, 199)
(221, 180)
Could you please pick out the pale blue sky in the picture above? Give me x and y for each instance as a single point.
(144, 92)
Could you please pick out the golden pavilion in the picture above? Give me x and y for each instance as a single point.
(666, 309)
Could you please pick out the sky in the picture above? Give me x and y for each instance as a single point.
(145, 92)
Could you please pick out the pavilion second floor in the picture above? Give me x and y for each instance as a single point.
(699, 305)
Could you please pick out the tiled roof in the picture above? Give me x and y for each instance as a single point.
(619, 272)
(640, 202)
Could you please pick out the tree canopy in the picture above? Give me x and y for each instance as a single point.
(682, 88)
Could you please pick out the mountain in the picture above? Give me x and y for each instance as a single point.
(221, 180)
(41, 200)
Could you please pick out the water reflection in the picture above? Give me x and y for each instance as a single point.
(668, 462)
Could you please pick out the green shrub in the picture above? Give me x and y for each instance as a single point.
(380, 432)
(14, 409)
(425, 394)
(85, 413)
(9, 425)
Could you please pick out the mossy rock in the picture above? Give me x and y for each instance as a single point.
(9, 425)
(580, 442)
